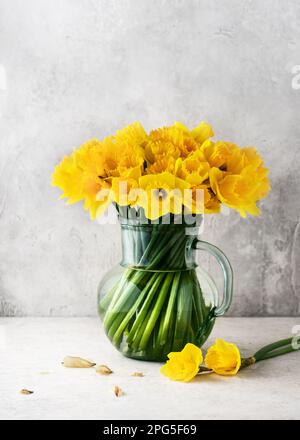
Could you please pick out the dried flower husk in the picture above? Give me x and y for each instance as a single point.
(118, 391)
(137, 374)
(103, 369)
(77, 362)
(25, 391)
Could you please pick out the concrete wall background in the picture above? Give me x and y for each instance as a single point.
(72, 70)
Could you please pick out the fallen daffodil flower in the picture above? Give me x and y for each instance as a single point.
(183, 365)
(223, 358)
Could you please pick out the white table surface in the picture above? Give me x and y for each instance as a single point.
(31, 351)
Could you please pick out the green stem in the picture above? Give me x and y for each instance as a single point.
(170, 307)
(184, 310)
(141, 317)
(156, 310)
(276, 349)
(124, 294)
(121, 326)
(267, 348)
(278, 352)
(156, 243)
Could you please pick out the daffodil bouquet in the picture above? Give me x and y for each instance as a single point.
(168, 159)
(161, 185)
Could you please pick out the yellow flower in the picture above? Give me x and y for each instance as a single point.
(160, 194)
(88, 172)
(159, 148)
(223, 358)
(212, 206)
(240, 191)
(133, 134)
(78, 177)
(240, 158)
(118, 158)
(175, 141)
(162, 163)
(218, 153)
(123, 191)
(68, 177)
(237, 176)
(205, 202)
(202, 132)
(194, 169)
(184, 365)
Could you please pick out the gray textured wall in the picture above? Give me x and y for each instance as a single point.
(77, 69)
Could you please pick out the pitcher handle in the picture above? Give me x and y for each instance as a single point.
(226, 270)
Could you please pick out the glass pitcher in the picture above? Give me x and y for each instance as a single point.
(158, 299)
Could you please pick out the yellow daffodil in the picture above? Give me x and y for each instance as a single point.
(123, 191)
(237, 177)
(241, 158)
(157, 149)
(223, 358)
(176, 141)
(133, 134)
(194, 169)
(184, 365)
(68, 177)
(212, 206)
(78, 177)
(162, 163)
(160, 194)
(202, 200)
(119, 158)
(240, 191)
(87, 173)
(218, 153)
(200, 134)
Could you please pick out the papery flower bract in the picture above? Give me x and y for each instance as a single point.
(183, 365)
(223, 358)
(160, 194)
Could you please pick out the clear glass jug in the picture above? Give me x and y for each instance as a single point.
(158, 299)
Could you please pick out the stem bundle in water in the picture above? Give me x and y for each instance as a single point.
(157, 305)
